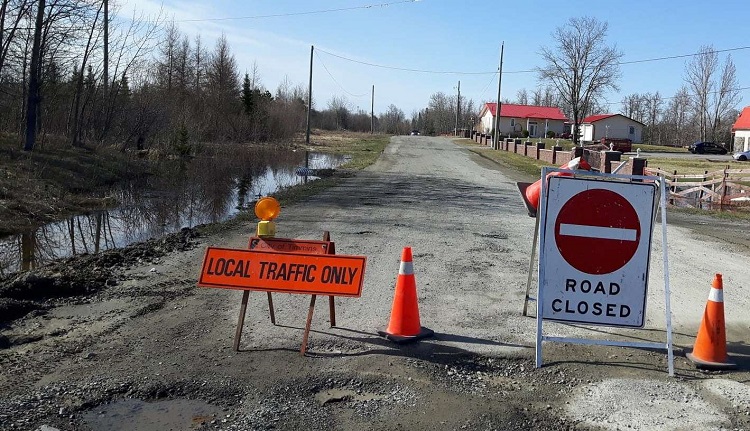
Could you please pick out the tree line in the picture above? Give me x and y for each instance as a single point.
(583, 66)
(70, 73)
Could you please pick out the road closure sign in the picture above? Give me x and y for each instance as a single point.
(595, 250)
(315, 274)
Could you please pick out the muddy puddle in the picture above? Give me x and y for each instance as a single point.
(138, 415)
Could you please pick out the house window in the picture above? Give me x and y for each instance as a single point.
(632, 130)
(512, 122)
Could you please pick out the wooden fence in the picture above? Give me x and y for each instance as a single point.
(710, 190)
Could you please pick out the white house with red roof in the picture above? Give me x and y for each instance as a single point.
(741, 130)
(615, 126)
(514, 119)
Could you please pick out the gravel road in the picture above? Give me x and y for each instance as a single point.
(149, 350)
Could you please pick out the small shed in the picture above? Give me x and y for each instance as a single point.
(614, 126)
(741, 131)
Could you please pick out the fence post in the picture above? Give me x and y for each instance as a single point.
(724, 188)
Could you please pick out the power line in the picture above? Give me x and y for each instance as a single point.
(688, 95)
(446, 72)
(405, 69)
(312, 12)
(334, 79)
(685, 55)
(484, 90)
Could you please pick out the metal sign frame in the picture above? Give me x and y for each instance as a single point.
(542, 218)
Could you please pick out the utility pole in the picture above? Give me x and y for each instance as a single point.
(495, 142)
(458, 109)
(309, 97)
(372, 111)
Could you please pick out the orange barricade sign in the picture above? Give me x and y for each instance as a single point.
(291, 245)
(271, 271)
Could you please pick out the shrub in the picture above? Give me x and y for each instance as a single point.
(550, 134)
(525, 133)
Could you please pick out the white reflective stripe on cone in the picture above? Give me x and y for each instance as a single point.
(716, 295)
(406, 268)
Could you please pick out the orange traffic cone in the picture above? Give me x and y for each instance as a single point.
(404, 325)
(710, 350)
(532, 192)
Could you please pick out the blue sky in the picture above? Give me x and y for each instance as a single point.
(453, 35)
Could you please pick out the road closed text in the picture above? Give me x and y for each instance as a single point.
(283, 272)
(600, 299)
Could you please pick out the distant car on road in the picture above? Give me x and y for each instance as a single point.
(415, 132)
(706, 148)
(742, 156)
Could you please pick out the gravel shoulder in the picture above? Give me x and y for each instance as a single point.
(135, 336)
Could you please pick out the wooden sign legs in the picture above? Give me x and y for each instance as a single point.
(271, 312)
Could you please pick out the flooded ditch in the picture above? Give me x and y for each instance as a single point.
(209, 188)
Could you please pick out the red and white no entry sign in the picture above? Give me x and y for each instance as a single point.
(597, 231)
(594, 250)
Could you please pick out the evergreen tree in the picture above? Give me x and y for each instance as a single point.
(247, 95)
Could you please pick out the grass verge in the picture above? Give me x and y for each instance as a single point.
(525, 167)
(56, 180)
(693, 166)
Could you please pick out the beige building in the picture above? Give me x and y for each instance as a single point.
(615, 126)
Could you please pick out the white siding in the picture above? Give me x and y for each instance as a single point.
(742, 140)
(617, 126)
(585, 132)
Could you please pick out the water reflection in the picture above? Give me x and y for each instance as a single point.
(207, 189)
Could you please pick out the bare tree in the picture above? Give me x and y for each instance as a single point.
(581, 66)
(699, 77)
(549, 98)
(536, 96)
(442, 112)
(12, 13)
(33, 103)
(677, 117)
(76, 120)
(725, 99)
(393, 121)
(522, 97)
(634, 106)
(654, 104)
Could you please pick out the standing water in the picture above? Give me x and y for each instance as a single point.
(207, 189)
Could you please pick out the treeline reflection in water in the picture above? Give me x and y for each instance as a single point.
(206, 189)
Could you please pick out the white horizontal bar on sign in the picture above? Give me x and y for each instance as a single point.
(601, 232)
(593, 342)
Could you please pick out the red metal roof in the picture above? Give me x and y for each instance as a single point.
(527, 111)
(593, 118)
(743, 121)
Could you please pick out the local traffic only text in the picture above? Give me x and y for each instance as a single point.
(294, 272)
(317, 274)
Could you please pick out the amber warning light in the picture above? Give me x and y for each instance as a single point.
(267, 209)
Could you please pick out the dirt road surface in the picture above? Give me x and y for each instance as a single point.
(152, 351)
